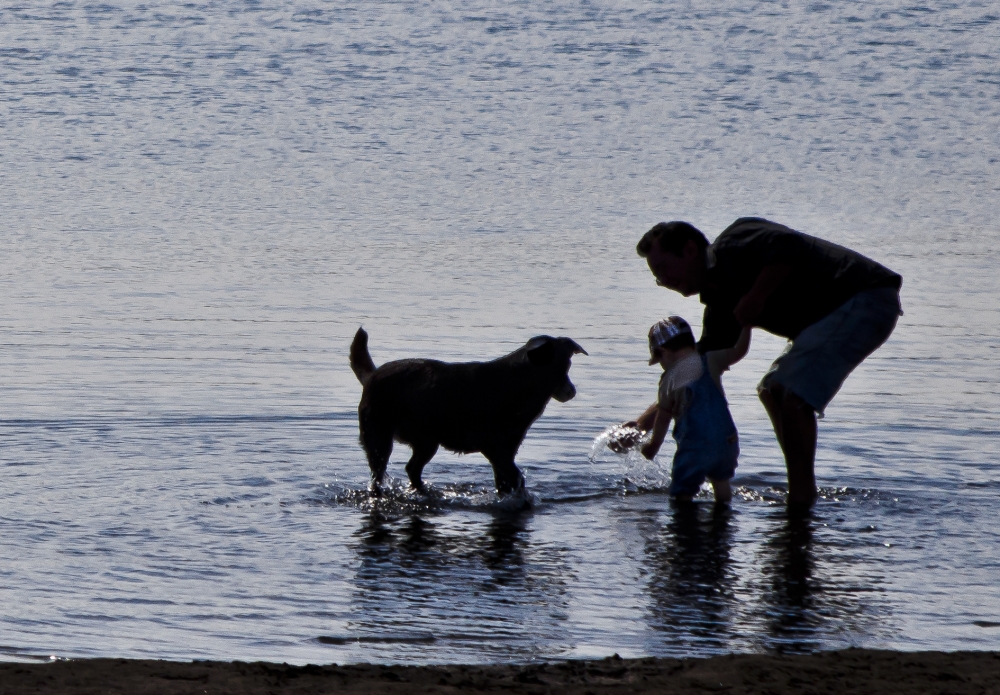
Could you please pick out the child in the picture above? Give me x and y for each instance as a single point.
(691, 394)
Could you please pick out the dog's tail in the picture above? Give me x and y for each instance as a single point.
(361, 360)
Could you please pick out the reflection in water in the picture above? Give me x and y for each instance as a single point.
(805, 587)
(692, 584)
(814, 590)
(793, 618)
(502, 548)
(449, 579)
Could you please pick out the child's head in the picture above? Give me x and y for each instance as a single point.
(667, 337)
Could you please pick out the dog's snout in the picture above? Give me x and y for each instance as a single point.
(565, 391)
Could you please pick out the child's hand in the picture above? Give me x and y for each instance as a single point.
(649, 450)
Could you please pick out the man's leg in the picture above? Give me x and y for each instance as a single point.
(809, 373)
(794, 423)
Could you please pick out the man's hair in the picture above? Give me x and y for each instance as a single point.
(671, 237)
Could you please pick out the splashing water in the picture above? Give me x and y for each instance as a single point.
(398, 497)
(619, 439)
(638, 474)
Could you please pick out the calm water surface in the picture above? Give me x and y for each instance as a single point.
(202, 201)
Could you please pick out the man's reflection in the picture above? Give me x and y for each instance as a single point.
(789, 570)
(692, 580)
(817, 590)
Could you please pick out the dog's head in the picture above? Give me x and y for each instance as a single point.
(553, 355)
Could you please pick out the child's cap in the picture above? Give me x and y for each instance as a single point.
(663, 331)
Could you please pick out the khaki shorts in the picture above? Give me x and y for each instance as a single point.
(815, 365)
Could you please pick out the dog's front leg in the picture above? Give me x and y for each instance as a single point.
(506, 475)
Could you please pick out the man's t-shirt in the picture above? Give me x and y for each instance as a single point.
(823, 276)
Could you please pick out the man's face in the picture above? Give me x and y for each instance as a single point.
(678, 273)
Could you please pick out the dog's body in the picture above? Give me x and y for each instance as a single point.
(468, 407)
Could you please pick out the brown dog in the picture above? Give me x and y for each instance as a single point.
(464, 407)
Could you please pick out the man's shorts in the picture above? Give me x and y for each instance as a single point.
(815, 364)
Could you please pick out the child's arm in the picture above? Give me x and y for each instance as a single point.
(645, 421)
(627, 435)
(721, 360)
(660, 427)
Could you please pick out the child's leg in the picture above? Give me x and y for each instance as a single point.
(723, 491)
(686, 475)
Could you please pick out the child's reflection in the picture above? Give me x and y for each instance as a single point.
(692, 583)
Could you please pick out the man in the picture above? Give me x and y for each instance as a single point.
(834, 305)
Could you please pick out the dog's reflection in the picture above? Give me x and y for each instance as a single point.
(425, 547)
(459, 577)
(502, 547)
(692, 578)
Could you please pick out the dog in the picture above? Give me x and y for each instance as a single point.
(466, 407)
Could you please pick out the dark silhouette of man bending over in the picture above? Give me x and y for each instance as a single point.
(834, 305)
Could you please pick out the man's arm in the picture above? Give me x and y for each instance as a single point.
(719, 329)
(749, 308)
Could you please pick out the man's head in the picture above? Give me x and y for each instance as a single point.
(668, 338)
(675, 253)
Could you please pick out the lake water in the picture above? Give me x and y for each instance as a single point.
(201, 202)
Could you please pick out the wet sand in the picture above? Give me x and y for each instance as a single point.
(849, 671)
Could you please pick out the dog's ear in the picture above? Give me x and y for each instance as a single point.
(540, 350)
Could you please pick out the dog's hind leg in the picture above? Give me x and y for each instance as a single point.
(378, 447)
(422, 453)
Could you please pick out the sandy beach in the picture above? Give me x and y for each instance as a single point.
(849, 671)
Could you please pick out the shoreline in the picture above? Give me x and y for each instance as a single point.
(845, 671)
